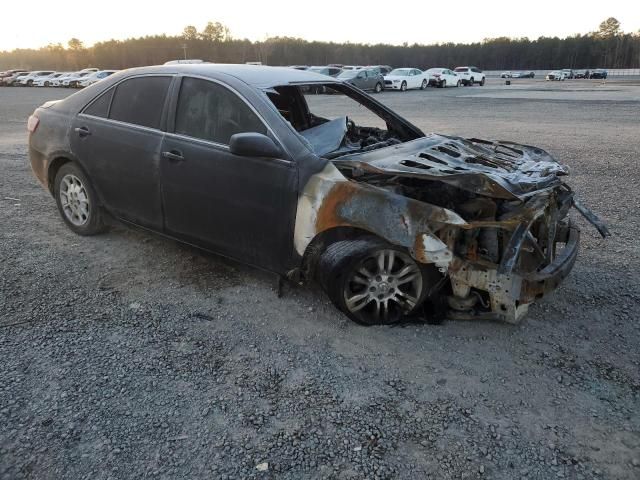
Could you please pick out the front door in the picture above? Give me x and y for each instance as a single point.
(241, 207)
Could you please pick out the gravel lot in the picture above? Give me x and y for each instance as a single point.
(130, 356)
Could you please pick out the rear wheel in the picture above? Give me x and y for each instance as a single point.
(482, 82)
(424, 84)
(403, 86)
(374, 282)
(443, 84)
(378, 87)
(77, 201)
(459, 83)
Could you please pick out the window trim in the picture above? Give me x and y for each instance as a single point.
(173, 112)
(163, 113)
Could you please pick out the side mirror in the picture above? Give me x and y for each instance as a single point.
(253, 145)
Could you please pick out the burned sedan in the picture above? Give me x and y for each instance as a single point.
(236, 160)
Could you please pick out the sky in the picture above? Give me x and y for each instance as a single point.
(36, 23)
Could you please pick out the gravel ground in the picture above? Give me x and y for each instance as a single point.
(128, 355)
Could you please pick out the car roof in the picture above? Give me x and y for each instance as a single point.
(259, 76)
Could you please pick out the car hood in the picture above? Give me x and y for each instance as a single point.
(496, 169)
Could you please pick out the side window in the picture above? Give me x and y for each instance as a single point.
(140, 101)
(209, 111)
(100, 106)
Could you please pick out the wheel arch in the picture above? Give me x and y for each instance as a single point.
(323, 239)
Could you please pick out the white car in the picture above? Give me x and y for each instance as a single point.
(471, 75)
(443, 78)
(34, 77)
(502, 75)
(69, 79)
(406, 78)
(556, 75)
(96, 77)
(48, 80)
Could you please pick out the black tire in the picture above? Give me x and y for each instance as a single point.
(378, 87)
(403, 86)
(341, 260)
(46, 84)
(482, 82)
(471, 82)
(424, 85)
(93, 221)
(443, 84)
(459, 83)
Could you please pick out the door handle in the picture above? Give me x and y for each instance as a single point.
(82, 131)
(173, 155)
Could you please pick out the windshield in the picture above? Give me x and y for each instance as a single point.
(401, 72)
(349, 74)
(461, 69)
(344, 122)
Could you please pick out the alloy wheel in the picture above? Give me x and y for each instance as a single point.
(74, 200)
(384, 286)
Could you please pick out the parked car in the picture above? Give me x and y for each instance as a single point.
(555, 75)
(442, 78)
(381, 216)
(582, 74)
(404, 79)
(94, 78)
(503, 74)
(27, 80)
(599, 73)
(568, 73)
(11, 80)
(47, 81)
(470, 75)
(59, 82)
(328, 71)
(525, 74)
(10, 73)
(73, 81)
(382, 69)
(363, 79)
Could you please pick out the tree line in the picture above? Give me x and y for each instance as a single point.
(607, 47)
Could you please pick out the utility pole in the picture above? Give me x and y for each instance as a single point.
(184, 47)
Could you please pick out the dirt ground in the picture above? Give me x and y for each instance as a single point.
(127, 355)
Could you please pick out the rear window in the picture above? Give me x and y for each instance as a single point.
(140, 101)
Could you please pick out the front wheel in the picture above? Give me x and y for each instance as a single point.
(77, 201)
(378, 87)
(424, 85)
(373, 282)
(443, 84)
(482, 82)
(403, 87)
(459, 83)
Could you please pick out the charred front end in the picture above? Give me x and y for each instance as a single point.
(491, 216)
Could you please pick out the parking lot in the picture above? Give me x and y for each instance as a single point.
(127, 355)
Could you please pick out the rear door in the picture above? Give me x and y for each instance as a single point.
(241, 207)
(117, 138)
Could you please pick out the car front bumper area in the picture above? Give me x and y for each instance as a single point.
(480, 292)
